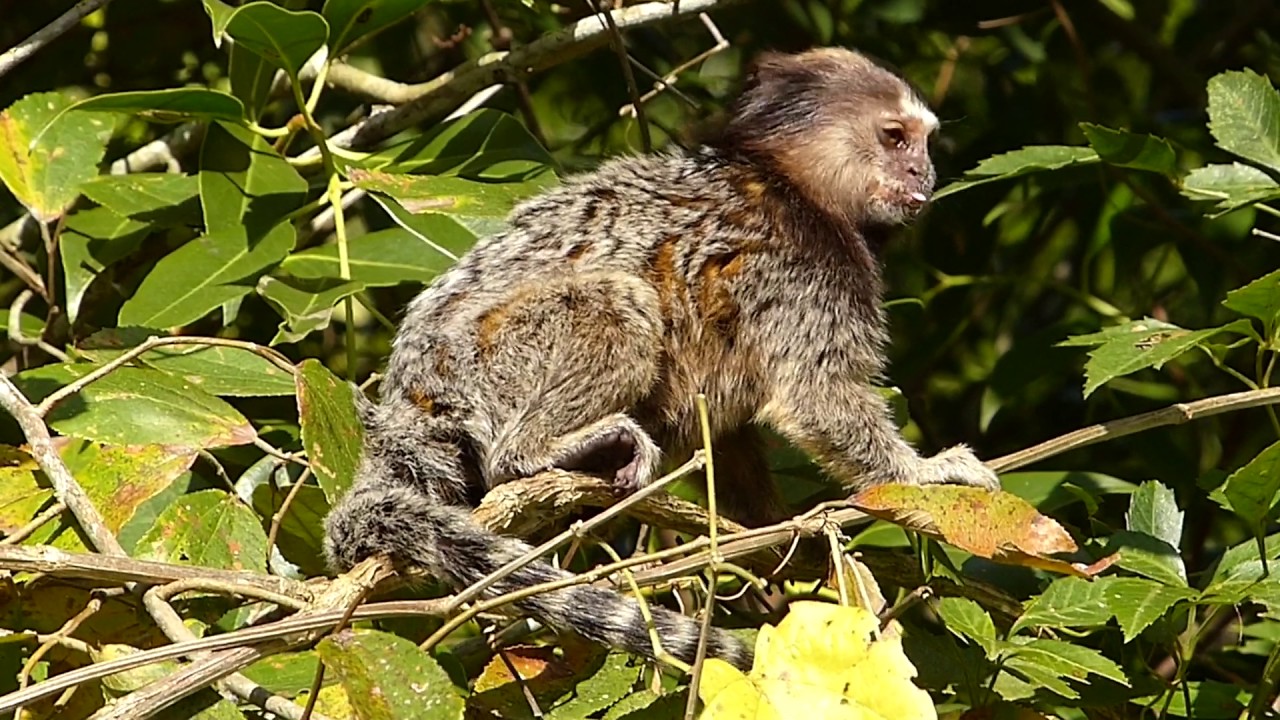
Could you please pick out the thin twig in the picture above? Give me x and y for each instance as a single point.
(35, 524)
(47, 34)
(15, 328)
(668, 81)
(278, 516)
(619, 46)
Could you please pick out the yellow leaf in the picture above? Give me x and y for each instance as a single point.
(822, 661)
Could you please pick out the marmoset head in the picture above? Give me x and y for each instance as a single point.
(851, 135)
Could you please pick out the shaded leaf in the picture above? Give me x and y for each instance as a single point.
(169, 105)
(287, 674)
(209, 528)
(967, 619)
(1132, 150)
(1148, 556)
(604, 688)
(1259, 299)
(1210, 700)
(305, 305)
(351, 20)
(331, 430)
(1250, 492)
(389, 678)
(246, 187)
(92, 241)
(284, 38)
(46, 154)
(142, 196)
(137, 406)
(301, 538)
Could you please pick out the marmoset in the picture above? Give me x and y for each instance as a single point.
(578, 338)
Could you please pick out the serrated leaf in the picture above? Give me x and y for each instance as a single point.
(1148, 556)
(216, 369)
(990, 524)
(209, 528)
(169, 105)
(1232, 186)
(45, 154)
(1244, 116)
(1153, 509)
(203, 274)
(386, 257)
(1244, 561)
(1259, 299)
(1132, 150)
(306, 305)
(389, 678)
(1068, 602)
(1137, 602)
(967, 619)
(1048, 660)
(351, 20)
(1250, 492)
(1024, 161)
(1142, 344)
(136, 406)
(284, 38)
(149, 197)
(91, 242)
(604, 688)
(331, 430)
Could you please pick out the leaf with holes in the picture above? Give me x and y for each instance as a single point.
(209, 528)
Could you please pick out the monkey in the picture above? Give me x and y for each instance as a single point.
(578, 337)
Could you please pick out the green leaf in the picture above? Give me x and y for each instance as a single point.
(285, 674)
(1069, 602)
(386, 257)
(45, 154)
(389, 678)
(630, 706)
(1137, 603)
(250, 76)
(449, 236)
(1132, 150)
(331, 430)
(284, 38)
(305, 305)
(1047, 662)
(142, 196)
(1024, 161)
(1233, 185)
(1149, 556)
(244, 184)
(353, 19)
(136, 406)
(170, 105)
(209, 528)
(1141, 344)
(446, 195)
(1259, 299)
(1250, 492)
(199, 277)
(485, 145)
(91, 241)
(608, 685)
(301, 538)
(1244, 562)
(1153, 510)
(1244, 116)
(967, 619)
(1210, 700)
(120, 478)
(216, 369)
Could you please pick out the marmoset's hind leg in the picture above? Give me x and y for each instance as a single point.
(745, 490)
(566, 359)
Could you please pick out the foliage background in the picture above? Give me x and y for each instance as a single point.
(985, 286)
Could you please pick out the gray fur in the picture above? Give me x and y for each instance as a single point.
(579, 336)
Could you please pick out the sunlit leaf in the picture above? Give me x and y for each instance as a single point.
(389, 678)
(1017, 163)
(1244, 116)
(331, 430)
(209, 528)
(46, 177)
(1132, 150)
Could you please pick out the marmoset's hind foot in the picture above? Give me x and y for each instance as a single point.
(620, 451)
(958, 466)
